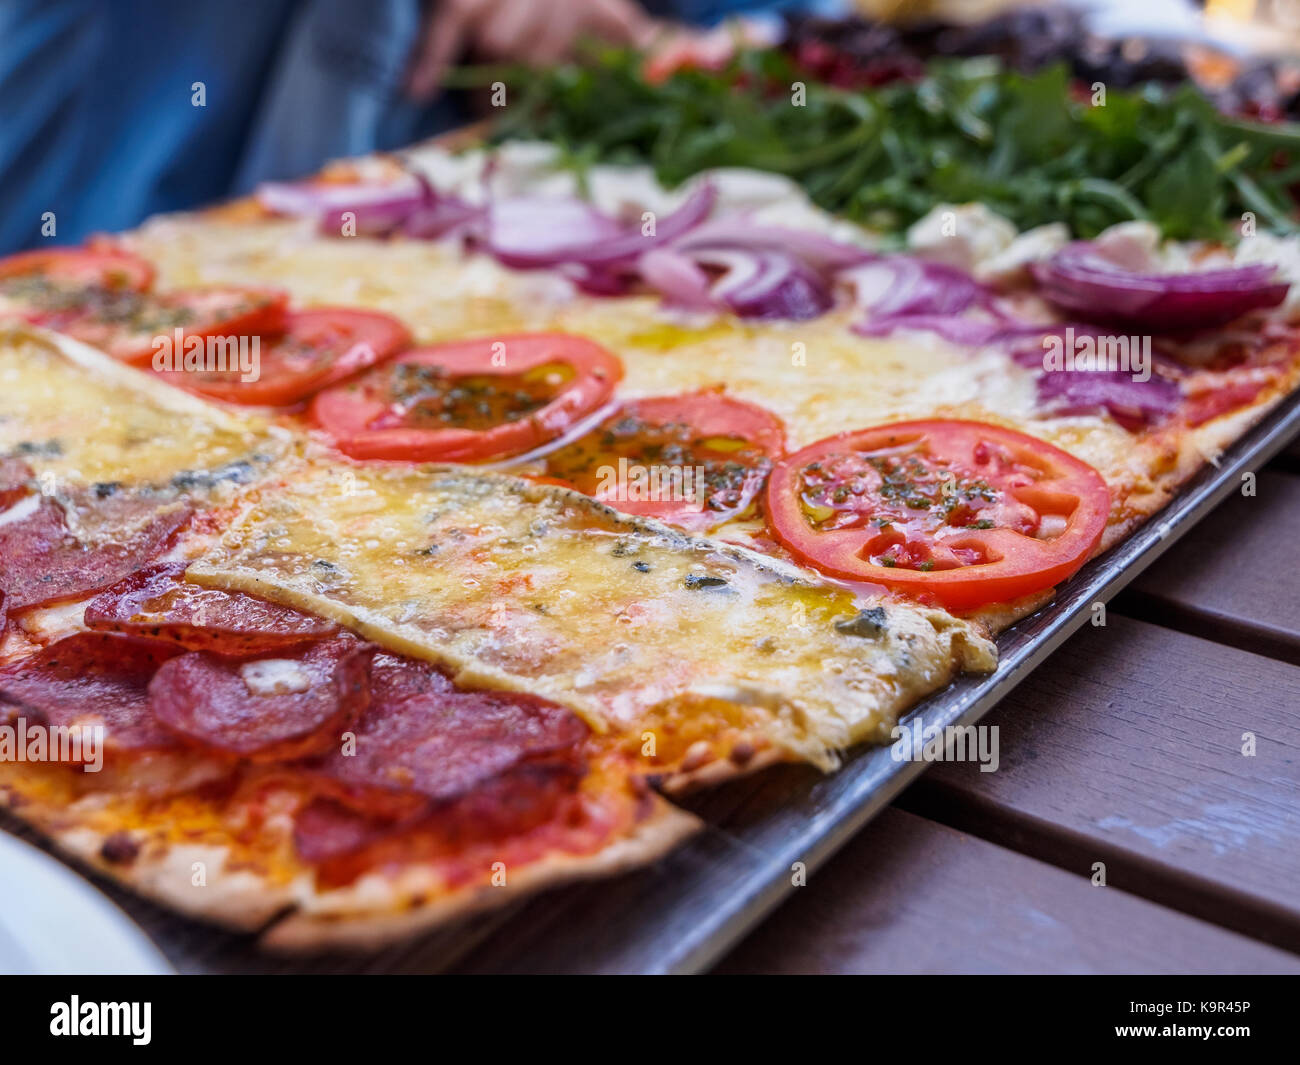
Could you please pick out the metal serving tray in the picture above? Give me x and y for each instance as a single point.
(686, 911)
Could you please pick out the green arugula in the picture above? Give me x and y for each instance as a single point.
(970, 131)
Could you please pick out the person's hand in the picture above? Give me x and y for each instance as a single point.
(518, 31)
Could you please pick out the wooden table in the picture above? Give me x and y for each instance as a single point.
(1124, 749)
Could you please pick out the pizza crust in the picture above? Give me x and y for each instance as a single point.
(350, 919)
(279, 896)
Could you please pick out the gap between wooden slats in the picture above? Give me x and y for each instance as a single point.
(911, 896)
(1125, 748)
(1235, 578)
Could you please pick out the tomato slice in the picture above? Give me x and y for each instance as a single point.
(695, 460)
(39, 286)
(318, 348)
(958, 512)
(470, 400)
(142, 328)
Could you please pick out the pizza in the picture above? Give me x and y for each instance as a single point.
(401, 541)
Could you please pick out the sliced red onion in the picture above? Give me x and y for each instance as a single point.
(901, 292)
(678, 278)
(1131, 403)
(902, 285)
(530, 232)
(599, 280)
(310, 198)
(378, 208)
(970, 332)
(444, 216)
(768, 285)
(375, 218)
(1084, 279)
(739, 231)
(694, 210)
(547, 232)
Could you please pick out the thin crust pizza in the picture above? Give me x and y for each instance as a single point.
(396, 543)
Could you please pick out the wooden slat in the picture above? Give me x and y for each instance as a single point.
(910, 896)
(1233, 578)
(1126, 747)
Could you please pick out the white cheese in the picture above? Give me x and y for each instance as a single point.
(1282, 252)
(275, 676)
(1007, 267)
(960, 235)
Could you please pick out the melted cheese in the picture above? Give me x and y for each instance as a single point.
(818, 376)
(77, 417)
(529, 587)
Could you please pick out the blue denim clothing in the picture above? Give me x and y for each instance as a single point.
(112, 110)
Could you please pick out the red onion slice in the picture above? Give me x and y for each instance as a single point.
(1083, 279)
(377, 208)
(1131, 403)
(678, 278)
(530, 232)
(768, 285)
(444, 216)
(534, 232)
(901, 292)
(739, 231)
(969, 332)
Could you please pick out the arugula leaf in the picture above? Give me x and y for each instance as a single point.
(1021, 143)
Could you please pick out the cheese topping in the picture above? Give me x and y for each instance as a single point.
(78, 417)
(535, 588)
(818, 376)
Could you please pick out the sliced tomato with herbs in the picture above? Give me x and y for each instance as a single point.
(318, 348)
(958, 512)
(695, 460)
(142, 328)
(471, 400)
(43, 286)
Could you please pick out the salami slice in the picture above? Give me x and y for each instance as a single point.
(156, 602)
(485, 763)
(421, 733)
(343, 841)
(43, 562)
(325, 829)
(91, 678)
(265, 709)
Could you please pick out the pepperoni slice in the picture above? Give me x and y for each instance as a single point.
(15, 481)
(92, 678)
(423, 734)
(42, 562)
(157, 602)
(324, 829)
(345, 841)
(490, 763)
(266, 709)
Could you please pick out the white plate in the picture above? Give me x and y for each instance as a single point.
(53, 922)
